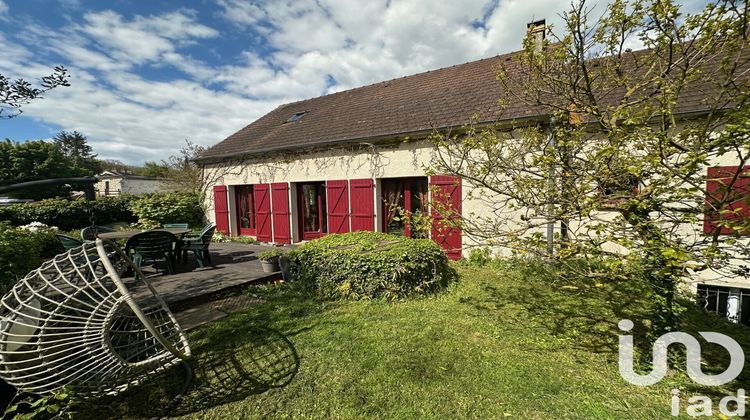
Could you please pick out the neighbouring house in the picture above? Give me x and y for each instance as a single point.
(342, 162)
(114, 183)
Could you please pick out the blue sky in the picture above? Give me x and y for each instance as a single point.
(146, 75)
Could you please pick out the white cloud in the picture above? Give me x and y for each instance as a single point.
(3, 8)
(311, 44)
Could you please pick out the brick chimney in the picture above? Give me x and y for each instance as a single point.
(536, 31)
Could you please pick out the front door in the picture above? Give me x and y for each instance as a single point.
(312, 209)
(245, 210)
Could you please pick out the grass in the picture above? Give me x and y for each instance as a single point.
(509, 341)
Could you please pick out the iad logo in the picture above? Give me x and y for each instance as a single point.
(702, 404)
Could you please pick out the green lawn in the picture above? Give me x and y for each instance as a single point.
(513, 341)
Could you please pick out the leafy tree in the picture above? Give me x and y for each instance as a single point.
(115, 165)
(16, 93)
(184, 173)
(154, 170)
(618, 163)
(34, 160)
(75, 147)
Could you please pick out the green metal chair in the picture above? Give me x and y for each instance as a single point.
(199, 245)
(68, 242)
(174, 225)
(89, 233)
(152, 245)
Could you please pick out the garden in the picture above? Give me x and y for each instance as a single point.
(507, 338)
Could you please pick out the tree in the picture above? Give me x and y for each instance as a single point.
(618, 162)
(75, 147)
(184, 173)
(35, 160)
(154, 170)
(16, 93)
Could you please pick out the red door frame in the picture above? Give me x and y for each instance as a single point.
(321, 188)
(262, 199)
(337, 206)
(240, 194)
(221, 209)
(407, 198)
(362, 204)
(282, 229)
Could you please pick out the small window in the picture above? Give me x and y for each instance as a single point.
(726, 302)
(296, 116)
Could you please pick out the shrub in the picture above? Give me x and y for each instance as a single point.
(479, 257)
(153, 210)
(370, 265)
(69, 214)
(269, 255)
(23, 250)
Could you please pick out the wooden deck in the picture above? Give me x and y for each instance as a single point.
(235, 265)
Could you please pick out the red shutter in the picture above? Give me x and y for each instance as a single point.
(262, 199)
(446, 194)
(337, 202)
(282, 230)
(717, 181)
(221, 209)
(363, 208)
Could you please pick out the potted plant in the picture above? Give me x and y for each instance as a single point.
(269, 260)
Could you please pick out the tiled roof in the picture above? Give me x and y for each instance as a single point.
(446, 97)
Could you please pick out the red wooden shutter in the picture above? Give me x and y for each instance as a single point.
(282, 230)
(262, 199)
(363, 206)
(717, 181)
(337, 202)
(221, 209)
(446, 194)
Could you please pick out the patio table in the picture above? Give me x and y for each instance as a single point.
(127, 234)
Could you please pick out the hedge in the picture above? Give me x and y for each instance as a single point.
(153, 210)
(70, 214)
(23, 250)
(370, 265)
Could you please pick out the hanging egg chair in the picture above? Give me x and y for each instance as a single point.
(75, 322)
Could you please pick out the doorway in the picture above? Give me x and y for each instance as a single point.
(245, 210)
(403, 200)
(311, 197)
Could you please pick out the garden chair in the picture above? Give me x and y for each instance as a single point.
(89, 233)
(74, 323)
(199, 245)
(152, 245)
(68, 242)
(174, 225)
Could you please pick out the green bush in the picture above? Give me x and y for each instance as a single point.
(480, 257)
(370, 265)
(153, 210)
(269, 255)
(70, 214)
(23, 250)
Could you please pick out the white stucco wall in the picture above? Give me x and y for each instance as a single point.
(401, 160)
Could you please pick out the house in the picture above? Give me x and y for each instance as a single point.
(114, 183)
(342, 162)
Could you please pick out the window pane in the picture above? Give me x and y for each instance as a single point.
(310, 213)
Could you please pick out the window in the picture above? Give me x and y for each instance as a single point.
(727, 199)
(245, 210)
(296, 116)
(727, 302)
(404, 199)
(620, 188)
(312, 210)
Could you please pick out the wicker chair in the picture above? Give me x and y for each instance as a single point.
(74, 323)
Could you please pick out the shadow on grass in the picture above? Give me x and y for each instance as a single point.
(260, 360)
(226, 369)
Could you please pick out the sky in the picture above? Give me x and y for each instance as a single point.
(147, 75)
